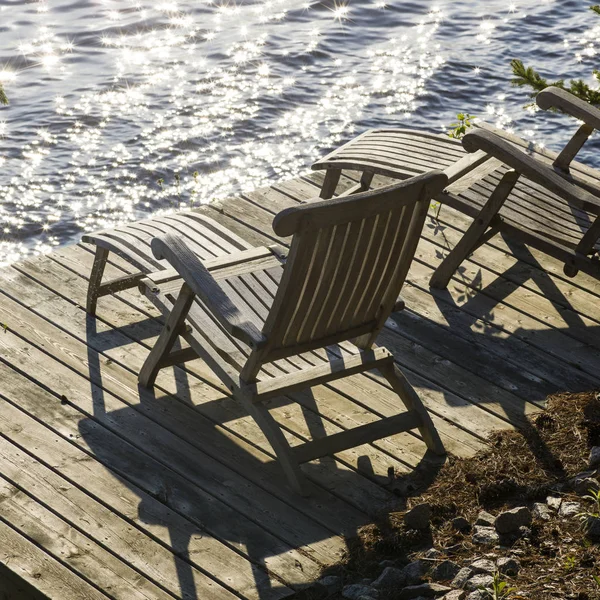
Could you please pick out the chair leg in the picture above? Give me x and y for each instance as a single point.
(332, 177)
(411, 400)
(171, 331)
(472, 237)
(96, 279)
(585, 247)
(280, 445)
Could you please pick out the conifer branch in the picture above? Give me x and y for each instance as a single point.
(529, 77)
(3, 96)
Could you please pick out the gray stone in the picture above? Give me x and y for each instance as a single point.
(594, 460)
(584, 483)
(476, 595)
(387, 563)
(483, 565)
(418, 517)
(541, 511)
(414, 572)
(508, 566)
(569, 509)
(592, 527)
(455, 595)
(509, 521)
(462, 577)
(356, 590)
(479, 581)
(366, 598)
(432, 553)
(332, 583)
(366, 581)
(485, 535)
(445, 571)
(485, 519)
(461, 524)
(390, 578)
(553, 502)
(425, 590)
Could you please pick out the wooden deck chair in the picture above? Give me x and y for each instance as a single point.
(309, 319)
(506, 184)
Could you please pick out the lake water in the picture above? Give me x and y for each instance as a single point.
(120, 109)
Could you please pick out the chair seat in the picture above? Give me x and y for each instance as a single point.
(531, 207)
(398, 153)
(206, 238)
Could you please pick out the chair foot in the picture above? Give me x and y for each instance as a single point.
(171, 331)
(411, 400)
(281, 447)
(95, 282)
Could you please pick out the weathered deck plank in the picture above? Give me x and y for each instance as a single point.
(175, 493)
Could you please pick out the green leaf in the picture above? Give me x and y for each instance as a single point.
(3, 96)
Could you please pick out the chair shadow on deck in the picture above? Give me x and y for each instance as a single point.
(472, 319)
(179, 486)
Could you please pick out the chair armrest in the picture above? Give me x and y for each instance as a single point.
(553, 97)
(174, 249)
(528, 166)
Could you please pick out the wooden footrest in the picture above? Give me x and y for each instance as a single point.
(357, 436)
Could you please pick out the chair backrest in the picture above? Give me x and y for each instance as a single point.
(347, 263)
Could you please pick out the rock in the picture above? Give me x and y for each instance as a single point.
(541, 511)
(509, 521)
(366, 598)
(594, 460)
(483, 565)
(553, 503)
(462, 577)
(508, 566)
(455, 595)
(356, 590)
(479, 581)
(387, 563)
(592, 527)
(414, 572)
(366, 581)
(418, 517)
(584, 483)
(425, 590)
(332, 583)
(432, 553)
(485, 535)
(485, 519)
(461, 524)
(569, 509)
(445, 571)
(390, 578)
(476, 595)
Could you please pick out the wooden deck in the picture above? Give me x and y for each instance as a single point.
(109, 491)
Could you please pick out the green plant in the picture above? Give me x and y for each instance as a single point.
(465, 121)
(3, 96)
(570, 563)
(596, 579)
(499, 589)
(529, 77)
(586, 516)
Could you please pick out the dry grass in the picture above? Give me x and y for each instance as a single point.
(521, 467)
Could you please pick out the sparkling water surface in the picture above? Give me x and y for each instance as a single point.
(122, 109)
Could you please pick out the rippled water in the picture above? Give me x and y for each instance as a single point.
(120, 109)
